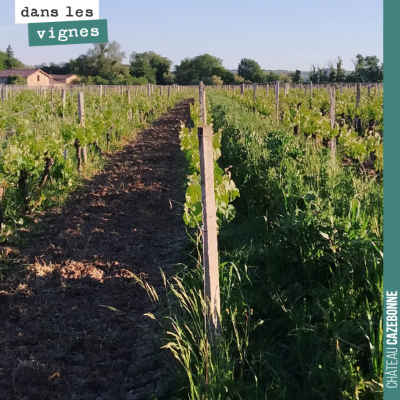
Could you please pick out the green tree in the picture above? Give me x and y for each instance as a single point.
(332, 75)
(141, 67)
(322, 75)
(237, 79)
(313, 75)
(101, 60)
(366, 69)
(114, 52)
(161, 65)
(213, 80)
(10, 61)
(284, 78)
(374, 70)
(198, 68)
(250, 70)
(169, 78)
(55, 68)
(227, 77)
(9, 52)
(296, 76)
(16, 80)
(340, 72)
(3, 58)
(270, 76)
(359, 68)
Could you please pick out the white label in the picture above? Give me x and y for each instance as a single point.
(31, 11)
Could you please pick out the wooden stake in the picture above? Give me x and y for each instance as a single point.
(277, 98)
(210, 240)
(358, 96)
(202, 100)
(332, 116)
(81, 107)
(63, 96)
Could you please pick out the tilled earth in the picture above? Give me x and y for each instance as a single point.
(71, 322)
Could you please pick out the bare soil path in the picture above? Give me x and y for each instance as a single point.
(58, 339)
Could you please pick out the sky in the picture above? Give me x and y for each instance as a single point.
(285, 34)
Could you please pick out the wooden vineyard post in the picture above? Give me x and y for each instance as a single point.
(332, 116)
(2, 93)
(202, 101)
(254, 91)
(81, 104)
(63, 96)
(267, 89)
(101, 91)
(210, 243)
(242, 89)
(77, 143)
(311, 87)
(358, 96)
(149, 90)
(169, 91)
(277, 99)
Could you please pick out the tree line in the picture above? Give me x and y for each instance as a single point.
(8, 61)
(104, 64)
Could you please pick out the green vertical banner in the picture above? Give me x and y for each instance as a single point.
(391, 236)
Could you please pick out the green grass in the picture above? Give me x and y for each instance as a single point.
(300, 274)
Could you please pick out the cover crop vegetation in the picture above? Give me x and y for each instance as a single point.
(301, 262)
(42, 142)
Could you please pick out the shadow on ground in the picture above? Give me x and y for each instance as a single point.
(58, 338)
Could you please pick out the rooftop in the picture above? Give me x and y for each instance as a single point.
(22, 72)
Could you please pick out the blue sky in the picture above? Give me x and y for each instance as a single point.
(285, 34)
